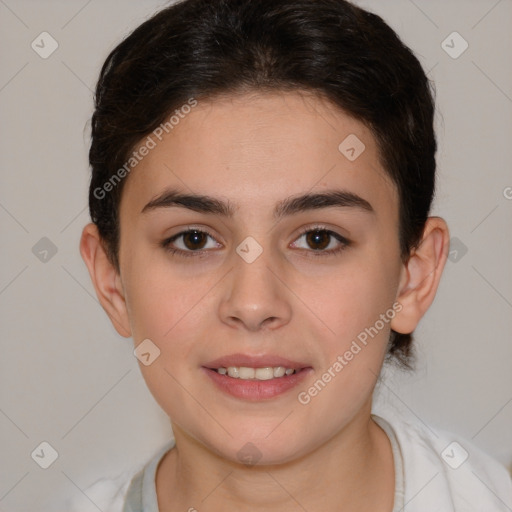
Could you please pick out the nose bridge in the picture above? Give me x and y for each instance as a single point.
(255, 295)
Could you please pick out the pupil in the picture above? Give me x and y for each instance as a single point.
(315, 237)
(196, 236)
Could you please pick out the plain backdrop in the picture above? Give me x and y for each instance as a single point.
(69, 380)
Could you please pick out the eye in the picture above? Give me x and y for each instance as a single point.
(193, 242)
(319, 238)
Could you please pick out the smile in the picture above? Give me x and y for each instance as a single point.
(246, 373)
(256, 384)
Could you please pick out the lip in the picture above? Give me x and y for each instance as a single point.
(254, 389)
(254, 361)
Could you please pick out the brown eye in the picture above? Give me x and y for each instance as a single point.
(318, 239)
(194, 240)
(321, 242)
(190, 243)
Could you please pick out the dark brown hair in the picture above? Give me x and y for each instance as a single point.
(203, 48)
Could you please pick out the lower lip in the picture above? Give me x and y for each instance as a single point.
(257, 389)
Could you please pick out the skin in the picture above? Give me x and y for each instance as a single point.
(256, 150)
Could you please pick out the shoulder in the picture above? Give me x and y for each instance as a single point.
(128, 488)
(445, 472)
(107, 494)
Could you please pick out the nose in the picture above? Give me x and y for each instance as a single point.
(255, 296)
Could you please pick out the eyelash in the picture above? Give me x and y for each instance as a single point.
(165, 244)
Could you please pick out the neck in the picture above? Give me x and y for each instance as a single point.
(351, 471)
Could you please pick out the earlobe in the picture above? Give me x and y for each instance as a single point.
(105, 278)
(421, 274)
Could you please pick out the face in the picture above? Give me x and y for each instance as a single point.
(291, 259)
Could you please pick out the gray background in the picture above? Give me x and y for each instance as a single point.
(66, 376)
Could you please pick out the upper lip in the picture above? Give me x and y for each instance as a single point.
(254, 361)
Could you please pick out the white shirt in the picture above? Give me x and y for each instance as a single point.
(435, 471)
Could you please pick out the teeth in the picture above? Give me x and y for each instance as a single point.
(245, 373)
(264, 373)
(233, 372)
(279, 371)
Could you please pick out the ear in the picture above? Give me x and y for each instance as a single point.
(420, 275)
(105, 278)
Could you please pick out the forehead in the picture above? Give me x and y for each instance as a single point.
(256, 149)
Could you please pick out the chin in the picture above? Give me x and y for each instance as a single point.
(258, 451)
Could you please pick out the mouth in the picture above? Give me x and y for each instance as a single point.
(256, 378)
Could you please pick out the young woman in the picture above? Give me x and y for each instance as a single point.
(262, 176)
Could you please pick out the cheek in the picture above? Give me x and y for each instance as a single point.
(164, 300)
(152, 298)
(356, 305)
(353, 298)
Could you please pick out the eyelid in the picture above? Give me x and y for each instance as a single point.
(323, 227)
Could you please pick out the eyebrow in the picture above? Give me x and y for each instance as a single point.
(286, 207)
